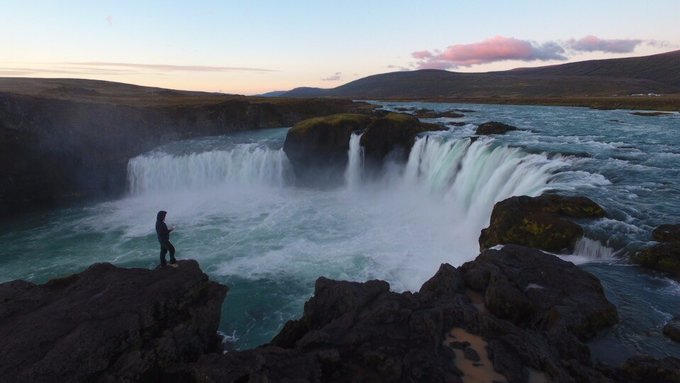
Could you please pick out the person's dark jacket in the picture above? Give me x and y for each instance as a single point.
(162, 231)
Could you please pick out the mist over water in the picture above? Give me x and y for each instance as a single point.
(236, 210)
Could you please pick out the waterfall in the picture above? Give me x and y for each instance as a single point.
(592, 250)
(471, 176)
(355, 163)
(245, 164)
(476, 174)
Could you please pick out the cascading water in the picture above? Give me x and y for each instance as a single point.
(244, 164)
(355, 162)
(473, 175)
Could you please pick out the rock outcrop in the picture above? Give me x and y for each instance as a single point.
(72, 140)
(664, 256)
(672, 329)
(532, 311)
(514, 314)
(493, 127)
(107, 324)
(317, 148)
(540, 222)
(427, 113)
(666, 233)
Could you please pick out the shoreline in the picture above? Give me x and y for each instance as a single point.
(670, 103)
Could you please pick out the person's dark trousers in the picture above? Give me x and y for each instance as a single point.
(165, 247)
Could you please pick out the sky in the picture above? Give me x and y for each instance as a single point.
(256, 46)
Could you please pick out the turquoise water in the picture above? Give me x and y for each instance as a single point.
(237, 211)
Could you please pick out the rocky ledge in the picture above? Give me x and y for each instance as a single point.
(317, 148)
(542, 222)
(514, 314)
(107, 324)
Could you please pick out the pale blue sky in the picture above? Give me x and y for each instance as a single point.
(255, 46)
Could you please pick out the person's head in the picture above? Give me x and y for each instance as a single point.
(161, 215)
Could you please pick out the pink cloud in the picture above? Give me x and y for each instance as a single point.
(421, 54)
(497, 48)
(594, 43)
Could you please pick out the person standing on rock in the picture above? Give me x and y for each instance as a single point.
(163, 234)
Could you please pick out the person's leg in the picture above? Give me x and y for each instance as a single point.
(171, 248)
(163, 252)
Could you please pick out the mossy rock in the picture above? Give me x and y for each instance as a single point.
(664, 257)
(494, 127)
(394, 132)
(538, 222)
(317, 147)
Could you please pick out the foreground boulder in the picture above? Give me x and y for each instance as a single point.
(107, 324)
(493, 127)
(510, 313)
(664, 256)
(540, 222)
(317, 148)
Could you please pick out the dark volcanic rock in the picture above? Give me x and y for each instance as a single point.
(317, 148)
(529, 288)
(645, 369)
(427, 113)
(107, 324)
(494, 127)
(665, 256)
(362, 332)
(538, 222)
(672, 329)
(651, 114)
(667, 233)
(518, 310)
(395, 133)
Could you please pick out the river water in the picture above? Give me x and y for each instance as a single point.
(236, 210)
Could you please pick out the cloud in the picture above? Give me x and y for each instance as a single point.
(171, 68)
(596, 44)
(337, 76)
(497, 48)
(76, 69)
(399, 68)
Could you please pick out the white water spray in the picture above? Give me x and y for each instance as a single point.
(588, 250)
(473, 176)
(245, 164)
(355, 162)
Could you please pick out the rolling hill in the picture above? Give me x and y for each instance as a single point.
(658, 74)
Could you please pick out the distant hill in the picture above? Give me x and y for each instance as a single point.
(663, 68)
(276, 93)
(658, 74)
